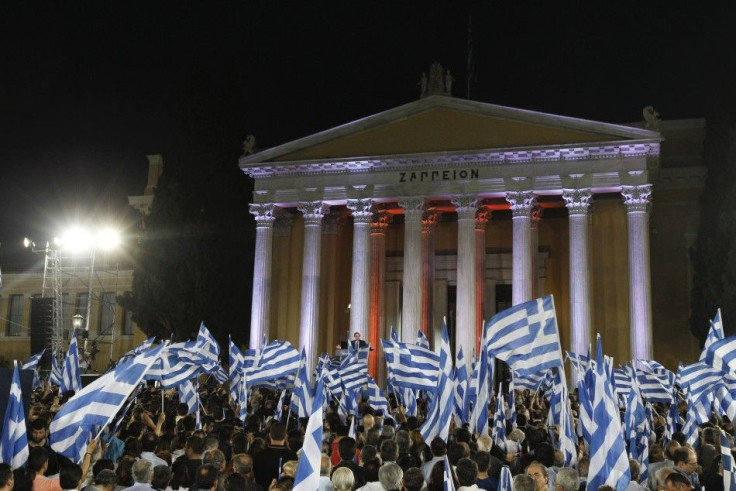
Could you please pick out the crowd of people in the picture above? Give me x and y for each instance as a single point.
(161, 446)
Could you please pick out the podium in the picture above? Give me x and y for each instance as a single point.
(362, 353)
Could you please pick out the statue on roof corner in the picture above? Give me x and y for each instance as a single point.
(651, 118)
(249, 145)
(439, 82)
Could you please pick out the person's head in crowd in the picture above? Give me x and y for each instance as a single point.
(634, 470)
(413, 479)
(521, 419)
(567, 479)
(284, 483)
(679, 437)
(484, 443)
(368, 452)
(343, 479)
(368, 422)
(7, 479)
(206, 477)
(325, 465)
(295, 440)
(583, 466)
(656, 454)
(370, 469)
(256, 446)
(180, 477)
(346, 448)
(373, 437)
(437, 477)
(161, 477)
(37, 432)
(710, 436)
(606, 487)
(438, 447)
(523, 482)
(105, 479)
(211, 442)
(215, 457)
(101, 465)
(660, 477)
(135, 429)
(677, 482)
(288, 468)
(70, 476)
(132, 447)
(234, 482)
(462, 435)
(544, 453)
(124, 470)
(239, 443)
(142, 471)
(559, 458)
(389, 451)
(277, 434)
(149, 442)
(38, 460)
(194, 447)
(403, 441)
(686, 460)
(455, 452)
(538, 472)
(483, 461)
(390, 475)
(466, 471)
(243, 464)
(388, 432)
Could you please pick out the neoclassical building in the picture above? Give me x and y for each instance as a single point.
(446, 208)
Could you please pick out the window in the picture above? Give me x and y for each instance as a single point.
(107, 313)
(128, 323)
(15, 315)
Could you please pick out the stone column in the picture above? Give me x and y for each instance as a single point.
(536, 217)
(259, 313)
(467, 206)
(429, 224)
(313, 212)
(379, 225)
(522, 203)
(360, 284)
(578, 204)
(481, 221)
(636, 199)
(411, 313)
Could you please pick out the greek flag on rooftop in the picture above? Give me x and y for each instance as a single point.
(609, 462)
(14, 440)
(93, 407)
(525, 336)
(71, 378)
(276, 360)
(307, 472)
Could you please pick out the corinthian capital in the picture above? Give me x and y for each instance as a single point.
(413, 208)
(263, 213)
(466, 205)
(313, 211)
(637, 198)
(577, 201)
(361, 209)
(521, 202)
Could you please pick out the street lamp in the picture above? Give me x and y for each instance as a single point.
(77, 323)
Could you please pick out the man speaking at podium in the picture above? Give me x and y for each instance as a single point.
(357, 344)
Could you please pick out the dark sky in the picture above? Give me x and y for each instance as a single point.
(89, 88)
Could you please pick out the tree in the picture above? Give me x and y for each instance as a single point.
(194, 260)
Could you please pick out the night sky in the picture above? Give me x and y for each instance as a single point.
(89, 88)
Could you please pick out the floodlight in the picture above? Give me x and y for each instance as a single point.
(107, 239)
(76, 239)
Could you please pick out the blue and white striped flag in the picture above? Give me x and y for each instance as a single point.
(353, 373)
(690, 429)
(530, 382)
(409, 399)
(622, 377)
(448, 483)
(189, 396)
(440, 412)
(672, 420)
(422, 340)
(92, 408)
(511, 411)
(411, 366)
(280, 406)
(307, 472)
(721, 355)
(637, 431)
(71, 377)
(526, 336)
(505, 480)
(697, 379)
(461, 385)
(137, 350)
(377, 398)
(55, 374)
(729, 466)
(499, 422)
(301, 396)
(275, 362)
(483, 378)
(32, 364)
(609, 463)
(568, 438)
(235, 370)
(715, 333)
(724, 402)
(14, 440)
(654, 387)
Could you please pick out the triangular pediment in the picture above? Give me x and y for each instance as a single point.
(445, 124)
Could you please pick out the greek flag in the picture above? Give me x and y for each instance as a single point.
(528, 382)
(652, 387)
(188, 395)
(567, 433)
(411, 366)
(71, 378)
(715, 333)
(448, 482)
(32, 364)
(585, 409)
(505, 480)
(14, 440)
(729, 468)
(725, 402)
(526, 337)
(236, 370)
(422, 340)
(93, 407)
(690, 430)
(609, 463)
(208, 342)
(178, 363)
(673, 419)
(637, 431)
(307, 472)
(280, 406)
(482, 380)
(301, 398)
(579, 362)
(511, 412)
(721, 355)
(353, 372)
(499, 422)
(622, 378)
(137, 350)
(461, 385)
(276, 360)
(440, 411)
(55, 374)
(409, 399)
(698, 379)
(377, 398)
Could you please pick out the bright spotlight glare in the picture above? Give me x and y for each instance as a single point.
(76, 240)
(108, 239)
